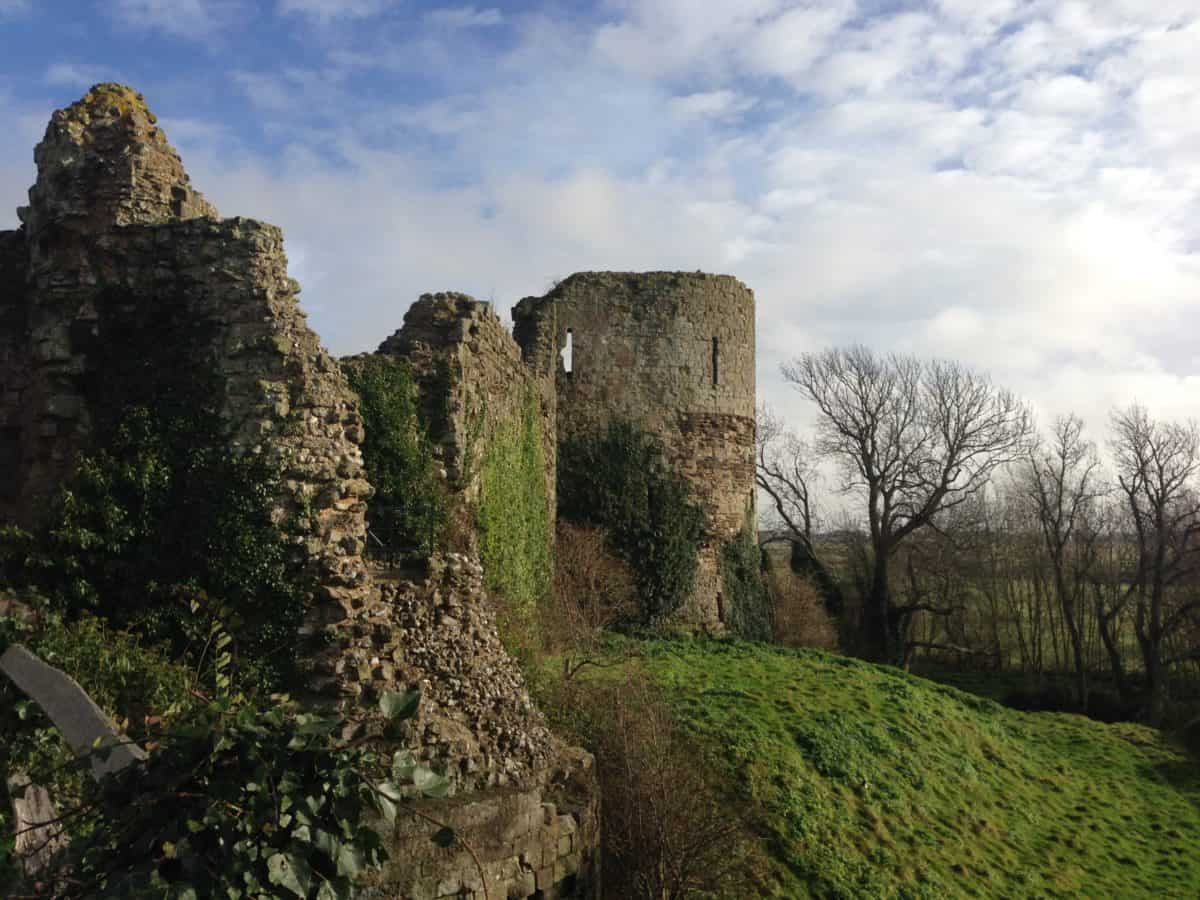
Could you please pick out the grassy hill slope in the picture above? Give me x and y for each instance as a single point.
(867, 782)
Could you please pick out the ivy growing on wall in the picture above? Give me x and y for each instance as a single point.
(512, 518)
(159, 511)
(618, 479)
(748, 603)
(407, 513)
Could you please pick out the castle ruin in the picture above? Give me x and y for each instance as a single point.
(115, 237)
(673, 353)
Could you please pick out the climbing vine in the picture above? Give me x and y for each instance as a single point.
(617, 478)
(407, 513)
(513, 519)
(745, 592)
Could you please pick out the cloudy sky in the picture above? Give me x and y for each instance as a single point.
(1012, 183)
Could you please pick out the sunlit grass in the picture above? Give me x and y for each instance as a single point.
(868, 782)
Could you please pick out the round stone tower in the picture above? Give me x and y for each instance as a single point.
(672, 352)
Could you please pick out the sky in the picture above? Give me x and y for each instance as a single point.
(1014, 184)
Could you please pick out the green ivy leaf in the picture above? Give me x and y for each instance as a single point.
(395, 705)
(290, 871)
(403, 765)
(430, 783)
(350, 861)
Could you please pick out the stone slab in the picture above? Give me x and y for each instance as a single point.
(71, 710)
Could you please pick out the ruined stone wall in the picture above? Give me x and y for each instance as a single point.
(115, 232)
(473, 381)
(526, 804)
(528, 847)
(643, 348)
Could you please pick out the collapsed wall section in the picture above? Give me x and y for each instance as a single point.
(526, 804)
(673, 353)
(474, 383)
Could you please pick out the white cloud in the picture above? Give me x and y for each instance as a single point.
(190, 19)
(1067, 95)
(465, 17)
(15, 8)
(77, 75)
(710, 105)
(1016, 189)
(325, 11)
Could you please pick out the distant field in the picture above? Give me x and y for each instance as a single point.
(866, 782)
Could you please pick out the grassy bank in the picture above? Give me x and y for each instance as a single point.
(867, 782)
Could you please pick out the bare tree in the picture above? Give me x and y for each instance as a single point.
(784, 470)
(917, 437)
(1156, 464)
(1063, 479)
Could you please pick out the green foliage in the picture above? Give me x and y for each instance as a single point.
(866, 782)
(160, 510)
(747, 601)
(408, 510)
(121, 673)
(513, 519)
(234, 801)
(617, 479)
(243, 803)
(160, 515)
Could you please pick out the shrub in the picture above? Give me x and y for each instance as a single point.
(617, 479)
(159, 507)
(241, 802)
(800, 615)
(408, 510)
(593, 590)
(745, 592)
(665, 832)
(160, 513)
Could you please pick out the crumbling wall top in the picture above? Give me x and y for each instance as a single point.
(104, 162)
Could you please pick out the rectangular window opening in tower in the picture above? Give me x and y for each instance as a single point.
(716, 368)
(568, 352)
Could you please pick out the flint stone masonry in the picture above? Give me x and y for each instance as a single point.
(14, 358)
(672, 352)
(528, 845)
(436, 632)
(72, 711)
(473, 381)
(113, 232)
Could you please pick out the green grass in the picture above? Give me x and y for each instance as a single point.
(864, 781)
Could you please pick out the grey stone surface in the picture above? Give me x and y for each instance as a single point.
(674, 353)
(72, 711)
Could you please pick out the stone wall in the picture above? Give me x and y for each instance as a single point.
(473, 381)
(672, 352)
(114, 233)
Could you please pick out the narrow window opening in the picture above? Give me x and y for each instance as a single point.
(568, 351)
(716, 361)
(720, 608)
